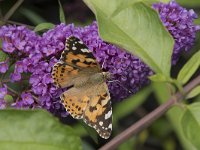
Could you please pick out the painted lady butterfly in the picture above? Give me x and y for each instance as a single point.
(88, 97)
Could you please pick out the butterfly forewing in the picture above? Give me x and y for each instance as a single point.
(77, 54)
(75, 62)
(85, 100)
(64, 75)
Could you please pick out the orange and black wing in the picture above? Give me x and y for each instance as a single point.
(76, 61)
(92, 104)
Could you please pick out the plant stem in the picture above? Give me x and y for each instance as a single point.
(151, 117)
(12, 10)
(35, 98)
(17, 23)
(16, 93)
(13, 91)
(1, 79)
(1, 15)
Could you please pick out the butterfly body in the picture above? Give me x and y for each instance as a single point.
(88, 97)
(92, 80)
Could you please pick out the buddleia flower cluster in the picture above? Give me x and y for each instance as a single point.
(179, 22)
(31, 57)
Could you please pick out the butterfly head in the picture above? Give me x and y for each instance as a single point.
(106, 75)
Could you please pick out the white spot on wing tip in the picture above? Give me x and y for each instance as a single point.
(80, 42)
(108, 115)
(73, 48)
(85, 50)
(100, 123)
(110, 126)
(104, 136)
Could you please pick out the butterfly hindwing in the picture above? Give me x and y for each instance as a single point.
(91, 104)
(75, 102)
(98, 113)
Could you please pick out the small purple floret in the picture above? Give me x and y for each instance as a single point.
(27, 98)
(3, 67)
(3, 91)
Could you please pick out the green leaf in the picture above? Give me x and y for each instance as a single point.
(80, 130)
(161, 132)
(169, 144)
(93, 134)
(61, 12)
(162, 92)
(128, 144)
(191, 124)
(87, 146)
(189, 3)
(137, 28)
(162, 78)
(1, 23)
(197, 22)
(150, 2)
(43, 26)
(189, 68)
(8, 98)
(194, 92)
(159, 78)
(3, 55)
(32, 16)
(35, 130)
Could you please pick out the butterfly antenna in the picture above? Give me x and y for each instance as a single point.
(103, 64)
(119, 83)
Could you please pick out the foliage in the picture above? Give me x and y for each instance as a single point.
(43, 26)
(189, 68)
(140, 20)
(26, 129)
(190, 124)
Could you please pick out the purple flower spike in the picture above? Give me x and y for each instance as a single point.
(18, 38)
(15, 77)
(3, 67)
(2, 104)
(179, 23)
(8, 47)
(40, 89)
(3, 91)
(19, 68)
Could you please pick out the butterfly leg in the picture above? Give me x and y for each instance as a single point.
(118, 82)
(102, 66)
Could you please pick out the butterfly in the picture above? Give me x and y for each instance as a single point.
(88, 97)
